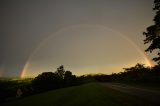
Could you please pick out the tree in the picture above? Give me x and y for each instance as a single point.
(137, 67)
(67, 74)
(46, 81)
(69, 79)
(152, 33)
(52, 80)
(60, 72)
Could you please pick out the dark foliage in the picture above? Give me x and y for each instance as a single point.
(46, 81)
(138, 74)
(60, 72)
(53, 80)
(69, 79)
(152, 33)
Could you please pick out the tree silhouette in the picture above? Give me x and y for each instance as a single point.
(46, 81)
(60, 72)
(137, 67)
(152, 33)
(69, 79)
(53, 80)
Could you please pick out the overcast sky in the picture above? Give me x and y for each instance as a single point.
(86, 36)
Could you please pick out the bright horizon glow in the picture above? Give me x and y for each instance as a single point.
(81, 71)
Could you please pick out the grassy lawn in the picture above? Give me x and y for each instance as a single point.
(93, 94)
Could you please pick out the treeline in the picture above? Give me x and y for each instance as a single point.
(138, 74)
(13, 89)
(54, 80)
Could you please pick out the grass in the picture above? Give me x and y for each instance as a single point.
(93, 94)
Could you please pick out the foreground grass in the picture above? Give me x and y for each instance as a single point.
(93, 94)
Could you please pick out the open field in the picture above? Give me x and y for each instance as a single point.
(93, 94)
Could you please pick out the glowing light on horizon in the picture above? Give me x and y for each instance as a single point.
(141, 52)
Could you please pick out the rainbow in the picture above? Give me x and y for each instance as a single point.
(141, 52)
